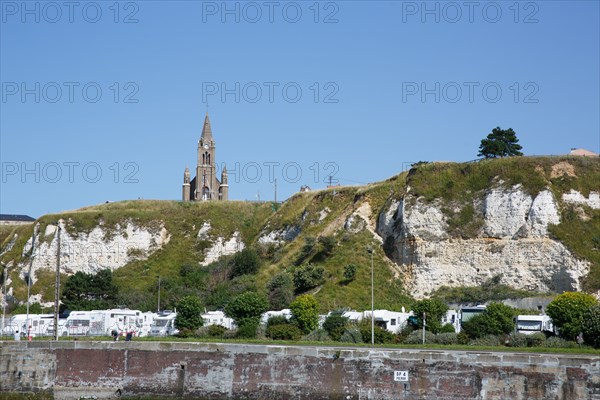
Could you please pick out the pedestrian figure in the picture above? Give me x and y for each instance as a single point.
(114, 332)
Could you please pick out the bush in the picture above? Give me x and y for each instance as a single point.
(349, 272)
(434, 310)
(281, 291)
(351, 335)
(277, 320)
(216, 331)
(380, 335)
(328, 244)
(591, 326)
(307, 277)
(517, 340)
(536, 340)
(189, 310)
(247, 308)
(557, 342)
(416, 337)
(305, 313)
(318, 335)
(284, 332)
(446, 338)
(335, 325)
(497, 319)
(247, 330)
(245, 262)
(567, 312)
(447, 328)
(487, 340)
(307, 249)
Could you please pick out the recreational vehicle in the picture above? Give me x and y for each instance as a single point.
(530, 324)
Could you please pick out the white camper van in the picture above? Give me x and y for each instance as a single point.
(99, 322)
(164, 324)
(530, 324)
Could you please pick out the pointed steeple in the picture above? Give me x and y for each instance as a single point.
(207, 136)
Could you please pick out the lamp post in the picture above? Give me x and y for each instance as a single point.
(370, 250)
(4, 296)
(158, 304)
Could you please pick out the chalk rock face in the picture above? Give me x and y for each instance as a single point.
(505, 212)
(574, 197)
(91, 252)
(223, 247)
(287, 234)
(513, 243)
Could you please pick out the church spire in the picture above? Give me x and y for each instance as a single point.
(207, 136)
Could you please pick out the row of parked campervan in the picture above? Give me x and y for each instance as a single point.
(102, 322)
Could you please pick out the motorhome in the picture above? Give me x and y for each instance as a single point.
(164, 324)
(530, 324)
(466, 313)
(392, 321)
(286, 312)
(145, 321)
(218, 318)
(37, 323)
(100, 322)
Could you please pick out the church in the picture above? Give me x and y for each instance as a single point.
(205, 186)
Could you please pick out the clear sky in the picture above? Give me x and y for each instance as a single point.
(105, 100)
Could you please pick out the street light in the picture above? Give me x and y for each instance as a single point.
(370, 250)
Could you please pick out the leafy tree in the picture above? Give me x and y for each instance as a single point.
(307, 277)
(84, 292)
(497, 319)
(189, 314)
(500, 143)
(349, 272)
(335, 324)
(434, 310)
(305, 312)
(281, 291)
(567, 312)
(247, 308)
(380, 335)
(591, 326)
(245, 262)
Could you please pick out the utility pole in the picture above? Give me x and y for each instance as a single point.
(158, 307)
(57, 283)
(4, 297)
(275, 190)
(424, 324)
(35, 228)
(370, 250)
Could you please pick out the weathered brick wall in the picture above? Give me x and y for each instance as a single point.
(70, 370)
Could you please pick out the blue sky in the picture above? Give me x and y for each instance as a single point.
(106, 100)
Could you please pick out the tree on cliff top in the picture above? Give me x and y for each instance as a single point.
(500, 143)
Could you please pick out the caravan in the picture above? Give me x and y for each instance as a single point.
(164, 324)
(530, 324)
(99, 322)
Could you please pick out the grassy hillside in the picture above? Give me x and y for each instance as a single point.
(316, 214)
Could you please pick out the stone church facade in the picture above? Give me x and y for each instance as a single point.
(205, 185)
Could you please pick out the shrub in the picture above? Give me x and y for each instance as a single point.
(247, 329)
(487, 340)
(497, 319)
(517, 340)
(567, 312)
(281, 291)
(447, 328)
(557, 342)
(307, 249)
(189, 310)
(351, 335)
(245, 262)
(277, 320)
(328, 244)
(335, 325)
(216, 331)
(305, 313)
(416, 337)
(446, 338)
(318, 335)
(307, 277)
(434, 310)
(380, 335)
(591, 326)
(349, 272)
(284, 332)
(536, 340)
(247, 307)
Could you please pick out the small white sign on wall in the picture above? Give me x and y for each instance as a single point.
(401, 376)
